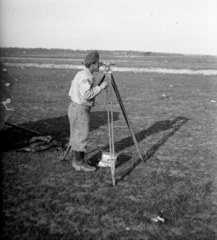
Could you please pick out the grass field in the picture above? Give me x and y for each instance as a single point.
(174, 117)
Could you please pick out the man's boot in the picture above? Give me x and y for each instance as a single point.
(80, 165)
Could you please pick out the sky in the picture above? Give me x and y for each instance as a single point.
(169, 26)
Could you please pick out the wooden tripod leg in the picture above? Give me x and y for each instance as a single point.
(110, 127)
(125, 116)
(66, 152)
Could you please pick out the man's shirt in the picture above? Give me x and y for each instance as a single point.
(82, 90)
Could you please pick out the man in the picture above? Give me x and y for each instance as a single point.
(83, 93)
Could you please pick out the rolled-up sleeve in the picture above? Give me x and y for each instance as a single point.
(86, 90)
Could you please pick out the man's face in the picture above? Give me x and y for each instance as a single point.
(96, 67)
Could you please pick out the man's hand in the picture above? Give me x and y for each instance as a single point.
(103, 85)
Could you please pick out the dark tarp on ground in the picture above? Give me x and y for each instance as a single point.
(39, 144)
(6, 92)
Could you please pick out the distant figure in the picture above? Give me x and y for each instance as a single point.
(6, 91)
(83, 93)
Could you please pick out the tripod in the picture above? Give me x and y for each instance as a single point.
(111, 84)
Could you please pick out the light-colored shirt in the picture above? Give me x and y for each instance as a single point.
(82, 90)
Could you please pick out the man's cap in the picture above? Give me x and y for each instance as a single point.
(91, 57)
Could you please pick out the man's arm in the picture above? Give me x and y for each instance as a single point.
(87, 91)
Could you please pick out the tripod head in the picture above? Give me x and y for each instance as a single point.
(107, 70)
(107, 66)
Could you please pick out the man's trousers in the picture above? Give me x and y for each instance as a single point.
(79, 119)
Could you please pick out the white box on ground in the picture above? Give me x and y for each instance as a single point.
(107, 159)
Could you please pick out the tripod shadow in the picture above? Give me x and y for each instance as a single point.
(157, 127)
(58, 128)
(175, 125)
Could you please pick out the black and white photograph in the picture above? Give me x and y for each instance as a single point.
(108, 124)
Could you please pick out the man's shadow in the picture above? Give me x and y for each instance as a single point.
(173, 125)
(58, 128)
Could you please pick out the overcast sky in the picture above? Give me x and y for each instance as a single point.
(173, 26)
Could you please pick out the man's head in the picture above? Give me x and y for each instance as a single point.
(91, 61)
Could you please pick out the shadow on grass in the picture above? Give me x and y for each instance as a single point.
(157, 127)
(175, 125)
(58, 128)
(128, 142)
